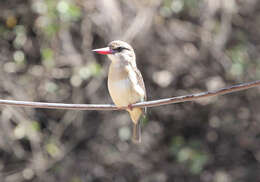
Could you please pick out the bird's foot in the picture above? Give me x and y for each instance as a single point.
(130, 107)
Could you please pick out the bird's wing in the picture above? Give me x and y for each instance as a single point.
(140, 81)
(137, 80)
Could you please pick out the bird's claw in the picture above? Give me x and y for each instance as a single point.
(130, 107)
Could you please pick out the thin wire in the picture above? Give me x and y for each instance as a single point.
(153, 103)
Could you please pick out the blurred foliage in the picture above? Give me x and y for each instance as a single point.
(182, 46)
(189, 153)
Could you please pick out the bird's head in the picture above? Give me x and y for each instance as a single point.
(118, 51)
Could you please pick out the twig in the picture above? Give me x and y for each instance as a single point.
(153, 103)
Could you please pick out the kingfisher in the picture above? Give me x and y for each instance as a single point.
(125, 82)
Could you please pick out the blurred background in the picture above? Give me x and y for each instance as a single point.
(182, 47)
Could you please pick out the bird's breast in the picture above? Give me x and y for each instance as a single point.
(120, 91)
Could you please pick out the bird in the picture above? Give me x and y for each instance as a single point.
(125, 82)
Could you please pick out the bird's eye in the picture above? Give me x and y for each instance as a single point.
(119, 49)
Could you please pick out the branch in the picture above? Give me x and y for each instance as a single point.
(153, 103)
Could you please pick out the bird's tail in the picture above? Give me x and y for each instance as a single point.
(136, 115)
(137, 132)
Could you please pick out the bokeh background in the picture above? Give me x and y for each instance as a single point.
(182, 47)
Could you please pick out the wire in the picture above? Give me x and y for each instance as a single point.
(153, 103)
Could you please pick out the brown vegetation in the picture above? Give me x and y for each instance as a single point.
(182, 47)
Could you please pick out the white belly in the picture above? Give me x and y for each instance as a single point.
(122, 93)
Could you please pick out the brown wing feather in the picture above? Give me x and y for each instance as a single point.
(141, 83)
(140, 80)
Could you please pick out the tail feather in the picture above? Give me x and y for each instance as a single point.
(137, 132)
(136, 115)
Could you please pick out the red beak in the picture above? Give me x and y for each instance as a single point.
(105, 50)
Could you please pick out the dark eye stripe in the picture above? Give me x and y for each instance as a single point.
(120, 49)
